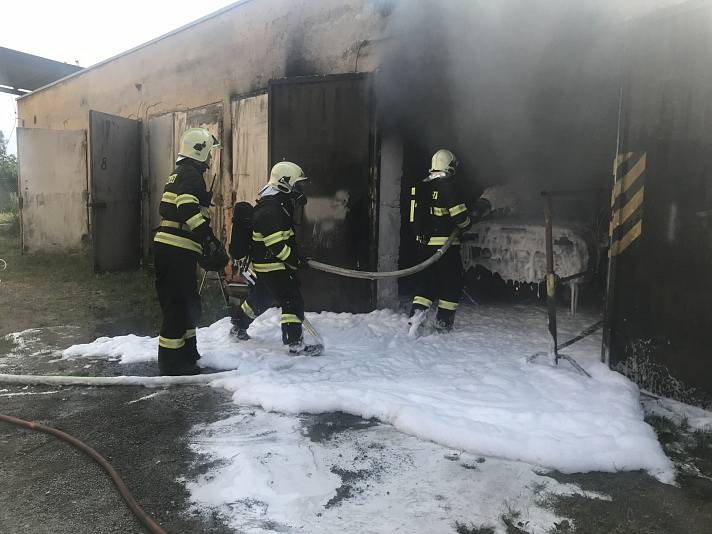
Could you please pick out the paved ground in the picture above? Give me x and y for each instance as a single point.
(49, 487)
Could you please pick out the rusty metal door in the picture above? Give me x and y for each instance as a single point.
(52, 189)
(326, 125)
(115, 192)
(249, 159)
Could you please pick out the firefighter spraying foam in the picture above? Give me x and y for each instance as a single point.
(439, 211)
(184, 239)
(274, 258)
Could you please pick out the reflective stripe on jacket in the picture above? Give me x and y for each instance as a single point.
(185, 222)
(274, 246)
(447, 211)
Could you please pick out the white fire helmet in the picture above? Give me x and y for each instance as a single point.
(444, 161)
(196, 143)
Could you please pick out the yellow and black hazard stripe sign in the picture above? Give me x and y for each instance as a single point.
(627, 201)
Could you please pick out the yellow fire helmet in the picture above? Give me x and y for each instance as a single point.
(196, 143)
(285, 175)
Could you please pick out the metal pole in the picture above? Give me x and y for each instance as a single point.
(310, 328)
(550, 278)
(202, 282)
(221, 281)
(612, 260)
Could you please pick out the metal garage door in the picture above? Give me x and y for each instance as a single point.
(115, 192)
(325, 124)
(53, 189)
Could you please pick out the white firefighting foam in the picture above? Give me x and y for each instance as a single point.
(516, 250)
(471, 390)
(270, 473)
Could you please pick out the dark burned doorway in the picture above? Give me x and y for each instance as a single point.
(326, 125)
(115, 192)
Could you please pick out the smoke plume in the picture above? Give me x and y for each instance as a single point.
(524, 91)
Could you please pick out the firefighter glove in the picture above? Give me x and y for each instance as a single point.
(481, 210)
(303, 262)
(214, 257)
(467, 226)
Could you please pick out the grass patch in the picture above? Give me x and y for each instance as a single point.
(7, 217)
(690, 450)
(10, 223)
(702, 439)
(666, 429)
(41, 290)
(46, 290)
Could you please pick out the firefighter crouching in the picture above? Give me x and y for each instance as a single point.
(275, 259)
(183, 239)
(441, 211)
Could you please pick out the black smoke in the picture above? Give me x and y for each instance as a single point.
(524, 91)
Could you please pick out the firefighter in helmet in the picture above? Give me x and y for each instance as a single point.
(442, 211)
(184, 239)
(275, 259)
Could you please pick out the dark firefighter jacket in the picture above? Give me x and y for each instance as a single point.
(444, 212)
(274, 246)
(185, 221)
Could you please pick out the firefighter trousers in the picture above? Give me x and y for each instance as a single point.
(442, 281)
(177, 288)
(275, 287)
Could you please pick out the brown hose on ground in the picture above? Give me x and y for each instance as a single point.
(142, 516)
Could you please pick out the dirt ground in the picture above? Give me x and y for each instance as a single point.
(48, 487)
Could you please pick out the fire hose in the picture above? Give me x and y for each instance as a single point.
(100, 381)
(135, 508)
(374, 275)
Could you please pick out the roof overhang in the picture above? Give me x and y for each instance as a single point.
(22, 73)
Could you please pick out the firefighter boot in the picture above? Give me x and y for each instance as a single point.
(240, 323)
(191, 349)
(444, 321)
(292, 336)
(239, 332)
(418, 316)
(176, 362)
(299, 348)
(442, 326)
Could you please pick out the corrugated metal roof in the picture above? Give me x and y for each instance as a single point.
(21, 72)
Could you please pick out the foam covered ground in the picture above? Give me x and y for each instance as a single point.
(472, 390)
(267, 472)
